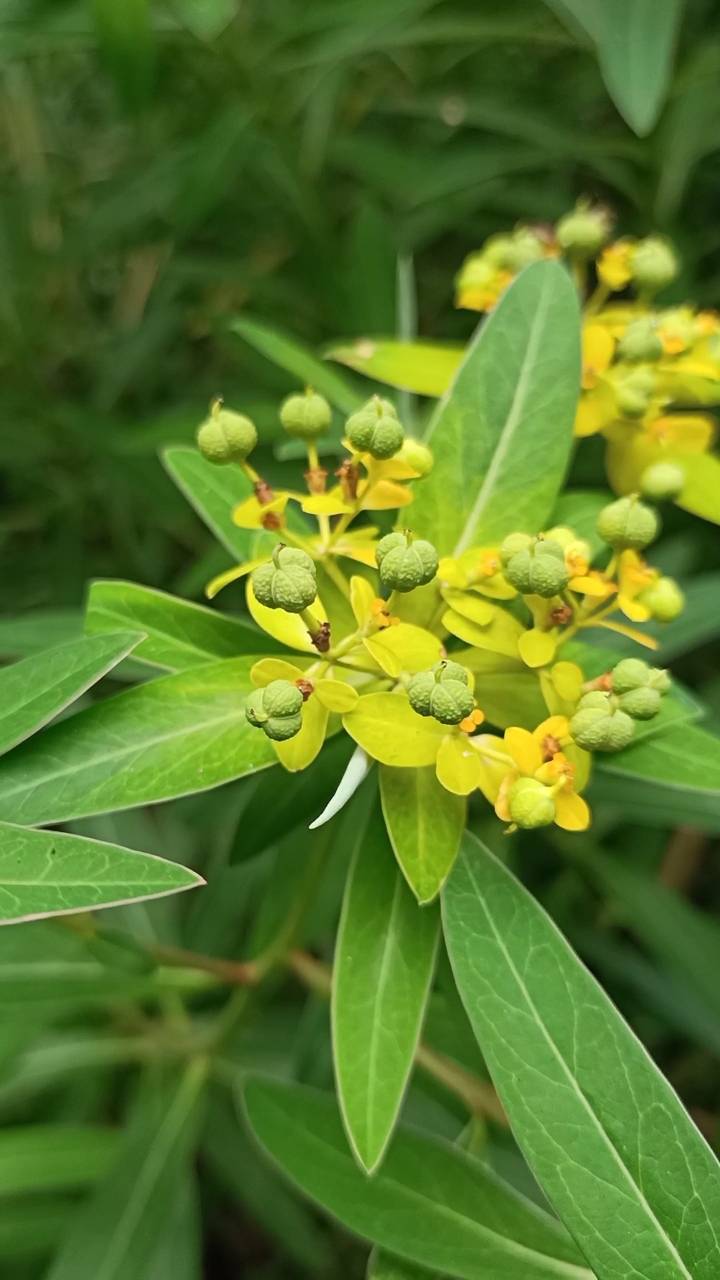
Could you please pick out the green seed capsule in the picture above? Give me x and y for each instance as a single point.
(288, 582)
(664, 599)
(634, 392)
(513, 545)
(641, 704)
(584, 230)
(641, 341)
(531, 804)
(226, 437)
(442, 692)
(417, 455)
(598, 729)
(654, 264)
(630, 673)
(538, 571)
(662, 482)
(375, 429)
(306, 416)
(405, 565)
(628, 523)
(276, 710)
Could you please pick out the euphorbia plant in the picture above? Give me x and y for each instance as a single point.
(432, 622)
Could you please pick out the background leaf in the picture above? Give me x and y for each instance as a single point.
(424, 823)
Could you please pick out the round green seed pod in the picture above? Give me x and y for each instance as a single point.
(634, 392)
(560, 534)
(596, 729)
(255, 708)
(446, 676)
(525, 246)
(417, 455)
(288, 582)
(641, 704)
(641, 341)
(596, 698)
(513, 545)
(282, 698)
(662, 482)
(584, 230)
(451, 701)
(281, 728)
(405, 568)
(226, 437)
(517, 571)
(276, 710)
(548, 546)
(628, 523)
(664, 599)
(548, 576)
(660, 680)
(306, 416)
(389, 543)
(654, 264)
(497, 254)
(531, 804)
(375, 429)
(630, 673)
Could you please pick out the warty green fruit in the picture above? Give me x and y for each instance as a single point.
(226, 437)
(531, 804)
(306, 416)
(598, 729)
(628, 523)
(641, 704)
(287, 582)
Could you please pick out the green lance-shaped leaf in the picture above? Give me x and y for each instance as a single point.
(45, 873)
(33, 1225)
(133, 1206)
(427, 368)
(669, 779)
(214, 492)
(39, 687)
(299, 360)
(44, 1157)
(384, 962)
(502, 434)
(602, 1130)
(163, 739)
(424, 823)
(38, 629)
(179, 635)
(430, 1202)
(383, 1266)
(635, 42)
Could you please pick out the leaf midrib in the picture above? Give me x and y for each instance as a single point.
(511, 422)
(642, 1201)
(383, 978)
(556, 1265)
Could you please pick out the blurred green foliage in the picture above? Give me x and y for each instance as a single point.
(166, 165)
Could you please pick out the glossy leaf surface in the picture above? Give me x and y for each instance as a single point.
(214, 492)
(162, 739)
(48, 872)
(502, 433)
(602, 1130)
(672, 778)
(424, 823)
(383, 967)
(39, 687)
(179, 635)
(429, 1202)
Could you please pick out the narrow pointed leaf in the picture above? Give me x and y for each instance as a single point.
(166, 738)
(429, 1202)
(135, 1203)
(49, 1157)
(669, 779)
(179, 635)
(299, 360)
(384, 962)
(502, 434)
(383, 1266)
(424, 823)
(39, 687)
(605, 1135)
(214, 492)
(46, 873)
(426, 368)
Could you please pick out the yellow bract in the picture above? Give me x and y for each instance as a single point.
(231, 575)
(403, 648)
(385, 495)
(362, 596)
(269, 669)
(250, 513)
(298, 752)
(325, 504)
(458, 765)
(288, 628)
(537, 648)
(385, 725)
(470, 606)
(336, 695)
(501, 635)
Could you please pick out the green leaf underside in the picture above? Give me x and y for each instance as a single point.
(46, 873)
(134, 1205)
(429, 1202)
(384, 961)
(213, 491)
(167, 738)
(427, 368)
(674, 778)
(49, 1157)
(603, 1132)
(502, 434)
(39, 687)
(298, 360)
(180, 635)
(382, 1266)
(424, 823)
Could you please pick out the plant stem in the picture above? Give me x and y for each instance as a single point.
(237, 973)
